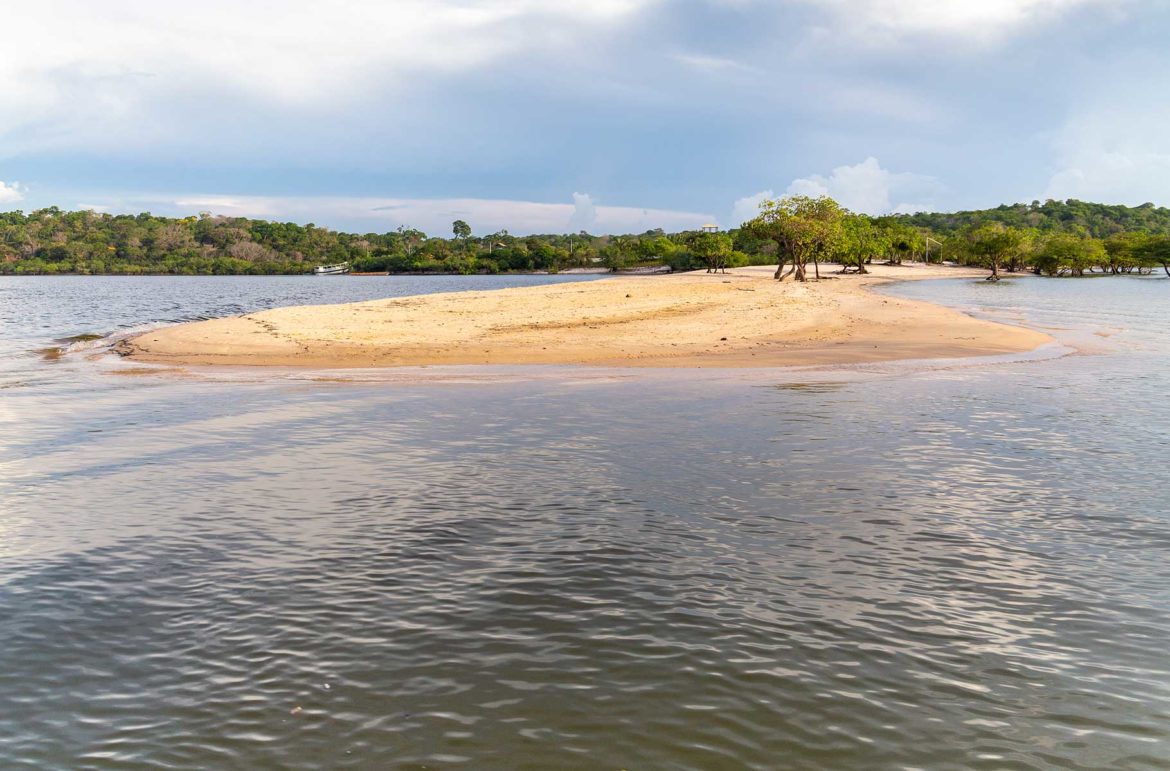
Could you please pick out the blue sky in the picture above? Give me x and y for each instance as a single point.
(551, 115)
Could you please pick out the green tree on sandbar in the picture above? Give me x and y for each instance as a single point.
(993, 245)
(1156, 250)
(860, 241)
(1069, 254)
(803, 229)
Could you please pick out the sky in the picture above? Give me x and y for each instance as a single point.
(559, 115)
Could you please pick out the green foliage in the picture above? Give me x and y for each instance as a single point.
(1129, 251)
(1069, 254)
(712, 249)
(803, 229)
(859, 241)
(992, 246)
(791, 232)
(903, 241)
(52, 241)
(619, 253)
(1155, 251)
(1098, 220)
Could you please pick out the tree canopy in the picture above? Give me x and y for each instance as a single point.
(1068, 238)
(803, 229)
(1096, 219)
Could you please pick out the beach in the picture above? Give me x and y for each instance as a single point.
(743, 318)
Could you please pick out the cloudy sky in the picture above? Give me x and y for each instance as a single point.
(555, 115)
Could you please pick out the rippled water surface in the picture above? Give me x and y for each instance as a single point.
(947, 566)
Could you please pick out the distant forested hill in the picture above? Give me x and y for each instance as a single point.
(50, 241)
(1097, 219)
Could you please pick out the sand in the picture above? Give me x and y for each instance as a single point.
(741, 319)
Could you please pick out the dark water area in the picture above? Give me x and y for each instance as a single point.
(945, 565)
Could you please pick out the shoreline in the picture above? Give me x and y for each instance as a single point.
(740, 319)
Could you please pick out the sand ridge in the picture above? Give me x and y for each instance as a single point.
(741, 319)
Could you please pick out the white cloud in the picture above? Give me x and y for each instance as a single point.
(864, 187)
(584, 213)
(712, 64)
(748, 207)
(868, 188)
(11, 193)
(972, 20)
(432, 215)
(443, 97)
(73, 70)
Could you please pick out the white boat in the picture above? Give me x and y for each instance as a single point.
(331, 270)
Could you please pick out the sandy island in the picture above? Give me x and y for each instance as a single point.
(742, 319)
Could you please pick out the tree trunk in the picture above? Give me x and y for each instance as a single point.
(994, 271)
(817, 268)
(780, 275)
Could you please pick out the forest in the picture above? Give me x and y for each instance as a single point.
(1056, 238)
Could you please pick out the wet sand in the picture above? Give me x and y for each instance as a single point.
(741, 319)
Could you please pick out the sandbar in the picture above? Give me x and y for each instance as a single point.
(742, 318)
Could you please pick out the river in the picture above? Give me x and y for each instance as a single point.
(929, 565)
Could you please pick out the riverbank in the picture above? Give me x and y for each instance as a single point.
(741, 319)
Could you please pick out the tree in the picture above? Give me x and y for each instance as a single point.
(904, 241)
(992, 245)
(462, 232)
(1125, 251)
(713, 249)
(1063, 253)
(860, 241)
(410, 238)
(1156, 250)
(803, 229)
(249, 251)
(653, 246)
(618, 252)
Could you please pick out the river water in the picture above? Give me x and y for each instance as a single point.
(930, 565)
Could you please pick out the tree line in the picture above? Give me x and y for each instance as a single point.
(818, 229)
(808, 230)
(798, 234)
